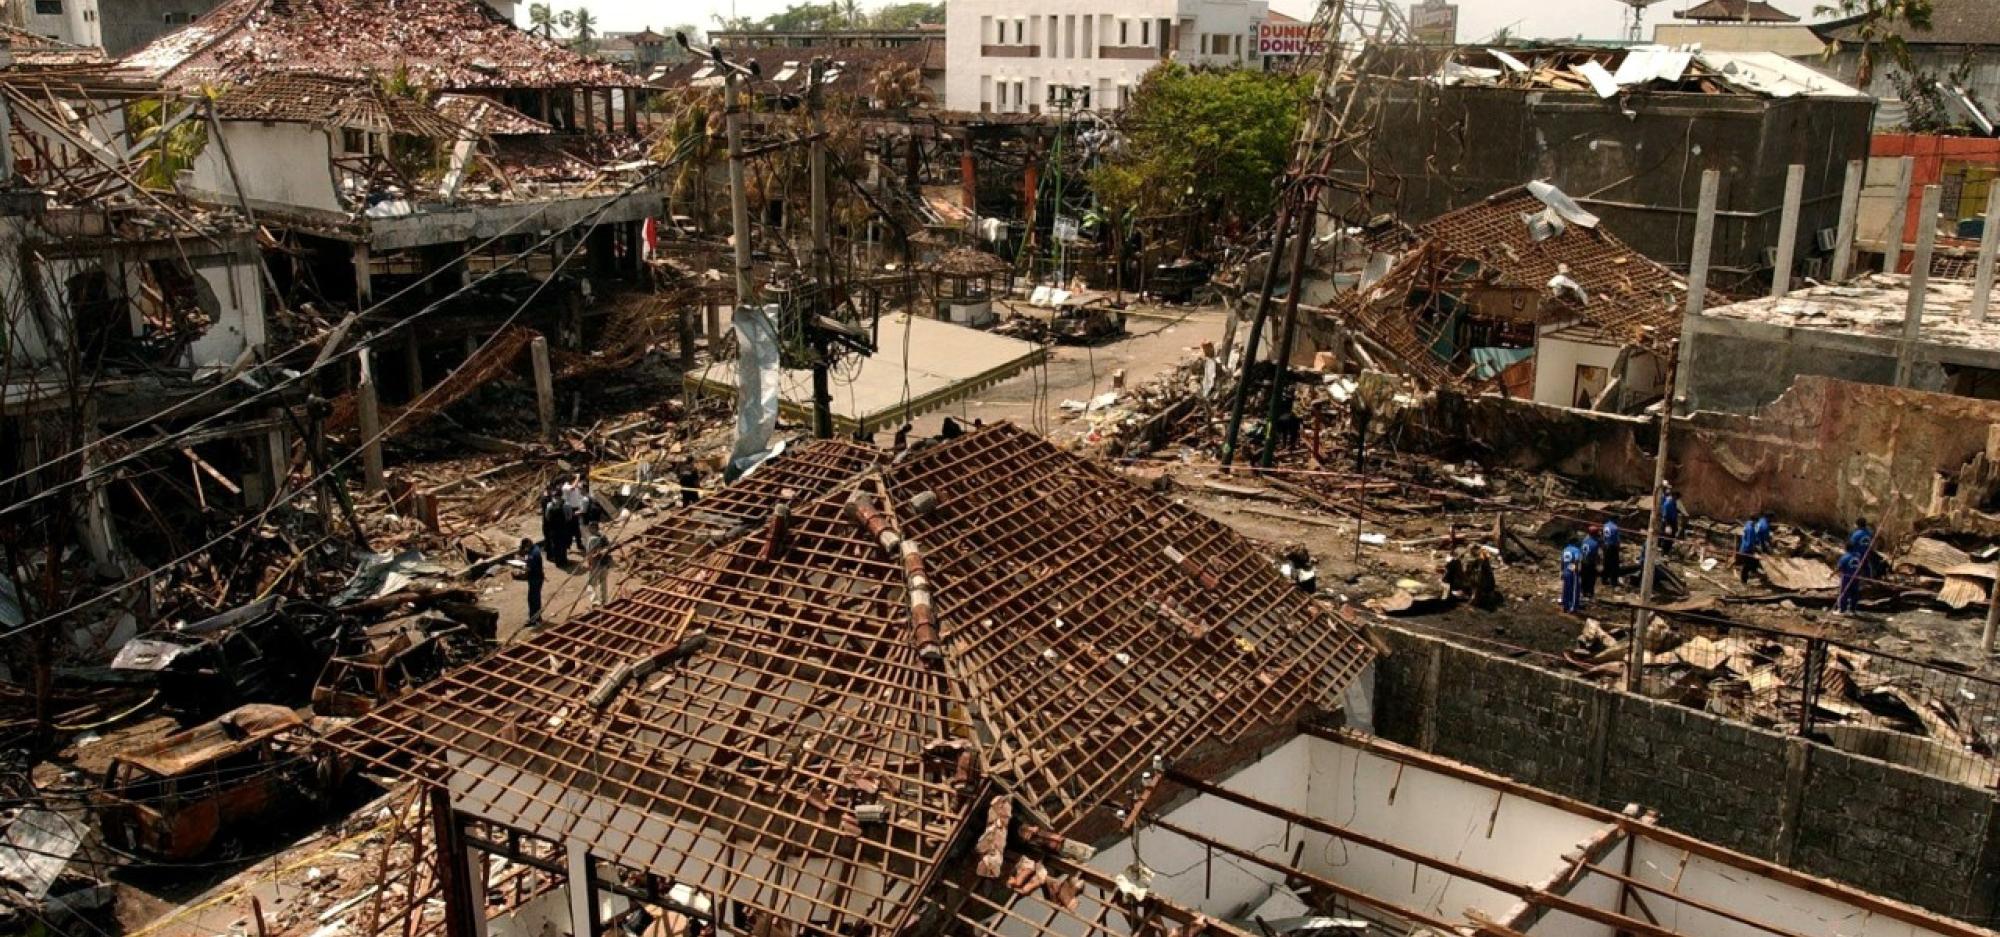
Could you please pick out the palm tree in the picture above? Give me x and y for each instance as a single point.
(584, 24)
(1879, 25)
(541, 19)
(851, 10)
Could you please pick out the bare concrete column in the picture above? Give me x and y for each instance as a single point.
(370, 418)
(277, 454)
(582, 894)
(1892, 244)
(713, 313)
(1850, 215)
(1798, 763)
(1788, 230)
(545, 388)
(1920, 281)
(364, 279)
(413, 364)
(1989, 245)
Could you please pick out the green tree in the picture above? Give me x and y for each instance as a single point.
(1205, 144)
(168, 154)
(1878, 28)
(583, 24)
(804, 17)
(542, 19)
(908, 15)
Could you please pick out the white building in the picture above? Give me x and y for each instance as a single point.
(1003, 56)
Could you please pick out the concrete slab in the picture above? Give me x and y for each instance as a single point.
(921, 365)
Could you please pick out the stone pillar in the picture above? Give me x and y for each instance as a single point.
(370, 419)
(582, 892)
(545, 388)
(364, 280)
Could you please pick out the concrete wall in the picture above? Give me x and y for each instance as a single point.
(278, 164)
(1825, 812)
(128, 24)
(1450, 147)
(1789, 40)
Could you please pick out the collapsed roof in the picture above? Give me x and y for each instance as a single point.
(446, 45)
(1529, 255)
(807, 716)
(337, 103)
(1606, 72)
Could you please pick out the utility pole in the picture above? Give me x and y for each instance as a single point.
(822, 256)
(1301, 256)
(1326, 23)
(739, 200)
(1697, 300)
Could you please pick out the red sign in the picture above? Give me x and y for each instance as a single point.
(1283, 39)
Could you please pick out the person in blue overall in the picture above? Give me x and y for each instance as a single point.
(1611, 544)
(1572, 561)
(1850, 583)
(1671, 522)
(1587, 575)
(1748, 544)
(1861, 543)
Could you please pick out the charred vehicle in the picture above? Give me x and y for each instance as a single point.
(176, 798)
(268, 649)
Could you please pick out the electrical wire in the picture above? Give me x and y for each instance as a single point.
(593, 220)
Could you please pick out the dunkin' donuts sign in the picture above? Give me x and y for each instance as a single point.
(1282, 39)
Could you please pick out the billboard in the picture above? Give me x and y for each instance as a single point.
(1435, 23)
(1287, 39)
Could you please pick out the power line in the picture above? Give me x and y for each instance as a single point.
(360, 345)
(593, 220)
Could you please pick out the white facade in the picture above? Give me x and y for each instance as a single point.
(71, 21)
(1003, 57)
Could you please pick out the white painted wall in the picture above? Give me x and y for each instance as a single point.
(71, 21)
(1437, 815)
(1717, 884)
(1556, 361)
(279, 164)
(239, 292)
(1070, 51)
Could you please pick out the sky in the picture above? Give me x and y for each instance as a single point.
(1551, 19)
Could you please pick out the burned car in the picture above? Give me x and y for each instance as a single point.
(268, 649)
(174, 799)
(381, 662)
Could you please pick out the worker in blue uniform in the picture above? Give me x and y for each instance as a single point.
(1672, 524)
(1748, 544)
(1612, 536)
(1591, 549)
(1572, 561)
(1861, 543)
(1850, 582)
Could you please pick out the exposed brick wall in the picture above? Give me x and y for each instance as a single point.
(1880, 827)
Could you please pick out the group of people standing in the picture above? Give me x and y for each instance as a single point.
(1597, 554)
(571, 518)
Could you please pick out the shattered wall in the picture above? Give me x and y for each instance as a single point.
(1435, 148)
(1824, 453)
(1822, 811)
(280, 164)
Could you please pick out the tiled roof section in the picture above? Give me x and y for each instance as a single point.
(1732, 11)
(805, 756)
(1630, 298)
(853, 70)
(332, 102)
(446, 45)
(488, 117)
(34, 49)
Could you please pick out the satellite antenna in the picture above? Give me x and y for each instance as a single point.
(1635, 20)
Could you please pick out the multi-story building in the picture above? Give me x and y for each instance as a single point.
(1004, 55)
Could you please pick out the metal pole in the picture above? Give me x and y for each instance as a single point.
(1301, 255)
(1697, 300)
(1788, 230)
(1237, 406)
(1850, 217)
(739, 203)
(1989, 245)
(1919, 284)
(1899, 214)
(822, 255)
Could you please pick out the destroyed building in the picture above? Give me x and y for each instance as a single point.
(125, 306)
(1742, 356)
(989, 688)
(312, 139)
(1627, 132)
(1524, 293)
